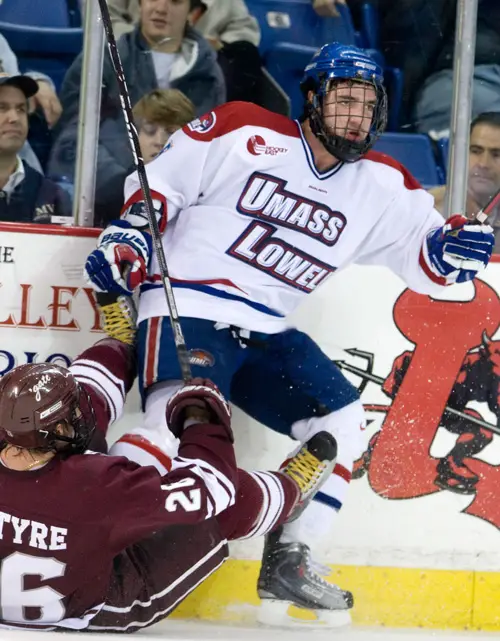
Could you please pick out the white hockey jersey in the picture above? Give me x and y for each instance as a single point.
(250, 226)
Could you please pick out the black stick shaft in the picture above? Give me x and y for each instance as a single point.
(180, 343)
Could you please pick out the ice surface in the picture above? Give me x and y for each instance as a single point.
(196, 631)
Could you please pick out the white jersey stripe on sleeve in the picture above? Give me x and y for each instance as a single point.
(104, 370)
(277, 497)
(208, 468)
(102, 383)
(220, 489)
(273, 503)
(91, 383)
(266, 500)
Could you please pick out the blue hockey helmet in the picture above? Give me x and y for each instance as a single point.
(331, 65)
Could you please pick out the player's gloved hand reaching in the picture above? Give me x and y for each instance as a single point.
(456, 252)
(120, 262)
(201, 400)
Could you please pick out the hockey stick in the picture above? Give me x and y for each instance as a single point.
(180, 343)
(482, 214)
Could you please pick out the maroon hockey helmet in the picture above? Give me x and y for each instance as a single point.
(34, 399)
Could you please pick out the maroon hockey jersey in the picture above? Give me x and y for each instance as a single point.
(82, 538)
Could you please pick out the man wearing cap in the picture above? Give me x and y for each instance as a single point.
(25, 195)
(45, 100)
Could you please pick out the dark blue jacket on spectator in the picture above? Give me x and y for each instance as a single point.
(35, 199)
(419, 37)
(202, 82)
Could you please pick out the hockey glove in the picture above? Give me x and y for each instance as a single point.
(199, 396)
(456, 252)
(120, 262)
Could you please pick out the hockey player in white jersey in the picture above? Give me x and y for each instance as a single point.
(256, 212)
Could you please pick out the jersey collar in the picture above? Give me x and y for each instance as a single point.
(321, 175)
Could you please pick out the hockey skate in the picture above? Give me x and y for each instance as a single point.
(119, 315)
(287, 576)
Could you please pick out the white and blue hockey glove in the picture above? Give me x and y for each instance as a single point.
(458, 251)
(120, 262)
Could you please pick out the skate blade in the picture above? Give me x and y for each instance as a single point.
(275, 613)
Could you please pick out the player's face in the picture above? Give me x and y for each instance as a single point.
(152, 139)
(13, 119)
(484, 162)
(348, 109)
(162, 19)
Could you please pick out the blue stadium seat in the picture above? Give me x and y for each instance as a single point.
(50, 51)
(75, 13)
(296, 22)
(415, 152)
(36, 13)
(370, 26)
(286, 63)
(394, 81)
(291, 31)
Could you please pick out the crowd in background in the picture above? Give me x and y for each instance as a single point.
(182, 58)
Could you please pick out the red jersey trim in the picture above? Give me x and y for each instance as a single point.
(440, 280)
(227, 283)
(235, 115)
(147, 446)
(410, 181)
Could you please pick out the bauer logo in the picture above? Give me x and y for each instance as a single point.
(201, 358)
(257, 146)
(204, 124)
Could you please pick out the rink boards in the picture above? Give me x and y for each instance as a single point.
(413, 551)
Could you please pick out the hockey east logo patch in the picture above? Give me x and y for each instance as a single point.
(257, 146)
(201, 358)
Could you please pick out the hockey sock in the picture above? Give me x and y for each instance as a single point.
(316, 522)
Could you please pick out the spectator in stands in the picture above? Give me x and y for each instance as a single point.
(231, 31)
(484, 170)
(25, 195)
(163, 51)
(157, 115)
(418, 36)
(327, 8)
(45, 98)
(235, 35)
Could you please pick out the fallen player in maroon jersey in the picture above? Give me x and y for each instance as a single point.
(97, 542)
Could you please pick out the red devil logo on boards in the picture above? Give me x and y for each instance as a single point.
(445, 371)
